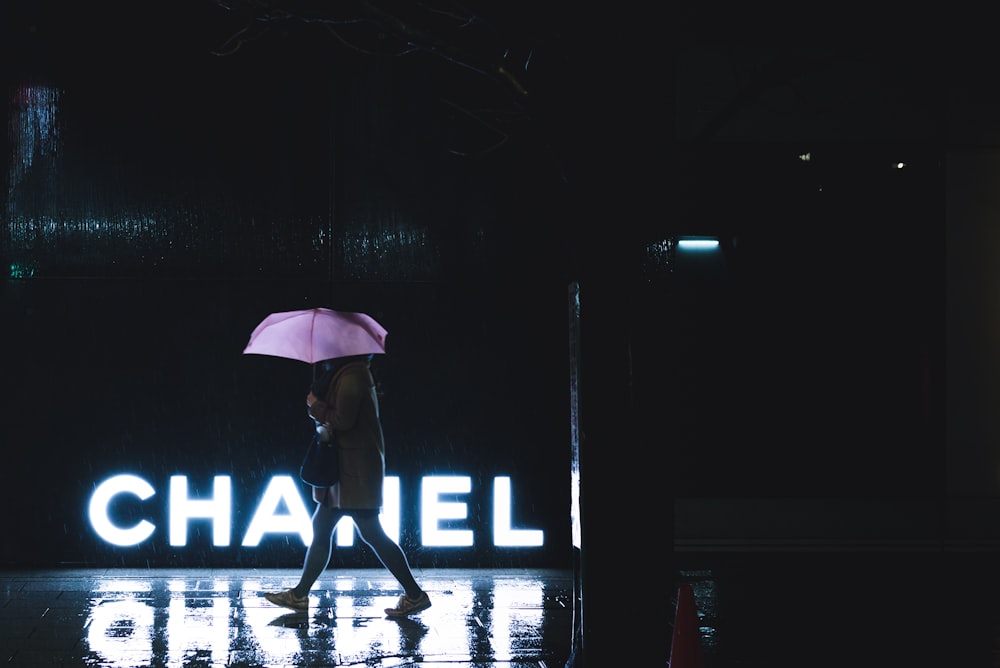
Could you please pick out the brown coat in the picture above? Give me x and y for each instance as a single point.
(350, 409)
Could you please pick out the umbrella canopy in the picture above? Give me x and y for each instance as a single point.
(316, 334)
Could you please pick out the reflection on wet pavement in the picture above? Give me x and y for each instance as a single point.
(126, 618)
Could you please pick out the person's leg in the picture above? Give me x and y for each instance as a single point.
(324, 521)
(389, 553)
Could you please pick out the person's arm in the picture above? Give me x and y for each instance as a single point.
(343, 413)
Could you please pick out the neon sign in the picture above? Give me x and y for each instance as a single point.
(282, 510)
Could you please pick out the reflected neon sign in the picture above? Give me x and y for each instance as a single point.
(282, 510)
(218, 622)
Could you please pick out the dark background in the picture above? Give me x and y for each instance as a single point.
(180, 197)
(827, 382)
(833, 370)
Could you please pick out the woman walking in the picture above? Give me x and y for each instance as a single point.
(344, 404)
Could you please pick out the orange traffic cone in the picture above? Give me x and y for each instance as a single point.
(685, 650)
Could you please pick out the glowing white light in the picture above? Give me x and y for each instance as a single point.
(356, 599)
(121, 633)
(273, 640)
(805, 157)
(517, 605)
(218, 509)
(205, 623)
(697, 244)
(574, 508)
(283, 489)
(503, 535)
(900, 165)
(282, 510)
(433, 510)
(391, 504)
(389, 517)
(344, 532)
(198, 630)
(101, 499)
(127, 586)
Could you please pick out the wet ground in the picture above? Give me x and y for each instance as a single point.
(817, 609)
(754, 609)
(127, 618)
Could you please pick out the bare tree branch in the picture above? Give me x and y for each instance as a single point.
(455, 34)
(458, 37)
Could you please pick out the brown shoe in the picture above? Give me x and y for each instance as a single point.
(406, 606)
(287, 599)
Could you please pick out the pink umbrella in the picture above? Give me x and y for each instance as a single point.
(316, 334)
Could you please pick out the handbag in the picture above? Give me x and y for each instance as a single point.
(321, 463)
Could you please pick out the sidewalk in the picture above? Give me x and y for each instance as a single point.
(190, 617)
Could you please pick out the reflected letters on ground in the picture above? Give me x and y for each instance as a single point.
(217, 622)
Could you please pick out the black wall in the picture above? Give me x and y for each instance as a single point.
(181, 196)
(163, 200)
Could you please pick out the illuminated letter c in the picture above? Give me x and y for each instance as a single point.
(99, 502)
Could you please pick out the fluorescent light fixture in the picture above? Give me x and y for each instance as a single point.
(697, 243)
